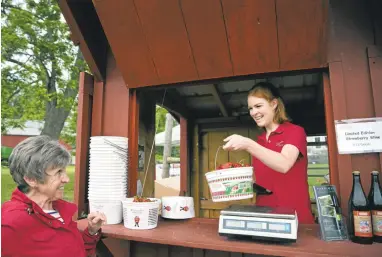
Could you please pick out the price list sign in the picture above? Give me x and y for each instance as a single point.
(359, 135)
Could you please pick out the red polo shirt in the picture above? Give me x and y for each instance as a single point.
(289, 189)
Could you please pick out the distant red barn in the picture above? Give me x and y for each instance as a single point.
(16, 135)
(13, 140)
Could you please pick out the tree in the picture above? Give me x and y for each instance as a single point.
(40, 65)
(68, 133)
(160, 118)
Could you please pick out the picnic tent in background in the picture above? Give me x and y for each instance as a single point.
(160, 137)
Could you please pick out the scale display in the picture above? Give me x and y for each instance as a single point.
(261, 226)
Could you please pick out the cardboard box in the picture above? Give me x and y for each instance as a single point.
(167, 187)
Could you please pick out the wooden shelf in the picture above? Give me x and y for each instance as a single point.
(203, 234)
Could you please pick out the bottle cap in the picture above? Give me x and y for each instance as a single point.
(375, 172)
(356, 172)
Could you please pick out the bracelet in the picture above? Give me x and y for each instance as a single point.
(96, 234)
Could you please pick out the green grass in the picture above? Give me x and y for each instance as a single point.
(8, 185)
(321, 165)
(316, 170)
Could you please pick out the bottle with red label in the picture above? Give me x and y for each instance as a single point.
(375, 203)
(360, 226)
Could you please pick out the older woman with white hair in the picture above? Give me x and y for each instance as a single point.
(37, 221)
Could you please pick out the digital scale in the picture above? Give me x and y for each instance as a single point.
(259, 222)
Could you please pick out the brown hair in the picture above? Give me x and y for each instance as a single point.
(269, 92)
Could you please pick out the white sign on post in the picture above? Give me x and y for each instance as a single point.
(359, 135)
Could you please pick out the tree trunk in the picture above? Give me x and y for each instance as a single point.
(55, 117)
(167, 146)
(54, 120)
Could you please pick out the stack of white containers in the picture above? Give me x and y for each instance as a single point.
(108, 176)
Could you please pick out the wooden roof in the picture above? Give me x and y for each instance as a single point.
(158, 42)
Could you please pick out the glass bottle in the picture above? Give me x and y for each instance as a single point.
(360, 227)
(375, 203)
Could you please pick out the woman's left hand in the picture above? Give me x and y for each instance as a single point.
(95, 221)
(236, 143)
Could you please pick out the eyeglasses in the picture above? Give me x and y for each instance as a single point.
(58, 173)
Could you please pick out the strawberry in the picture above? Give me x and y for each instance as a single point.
(237, 165)
(226, 165)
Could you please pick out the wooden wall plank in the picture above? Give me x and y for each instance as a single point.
(205, 193)
(301, 33)
(133, 113)
(208, 39)
(163, 25)
(183, 157)
(351, 33)
(91, 30)
(340, 113)
(179, 251)
(123, 30)
(97, 68)
(213, 253)
(215, 140)
(163, 250)
(252, 35)
(142, 249)
(118, 247)
(375, 65)
(376, 7)
(354, 20)
(97, 113)
(116, 97)
(196, 186)
(86, 83)
(197, 252)
(331, 134)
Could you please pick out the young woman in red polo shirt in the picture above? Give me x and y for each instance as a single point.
(279, 153)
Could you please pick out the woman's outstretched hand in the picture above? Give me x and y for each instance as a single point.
(95, 221)
(236, 143)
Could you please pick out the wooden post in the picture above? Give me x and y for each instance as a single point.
(97, 113)
(133, 113)
(330, 131)
(184, 156)
(82, 141)
(375, 65)
(167, 146)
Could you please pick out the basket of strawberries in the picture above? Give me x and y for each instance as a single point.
(230, 181)
(140, 212)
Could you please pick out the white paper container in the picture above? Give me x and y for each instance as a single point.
(111, 209)
(107, 172)
(230, 184)
(140, 215)
(108, 137)
(106, 198)
(178, 207)
(108, 195)
(106, 155)
(106, 184)
(98, 190)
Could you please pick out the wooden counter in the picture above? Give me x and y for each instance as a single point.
(203, 234)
